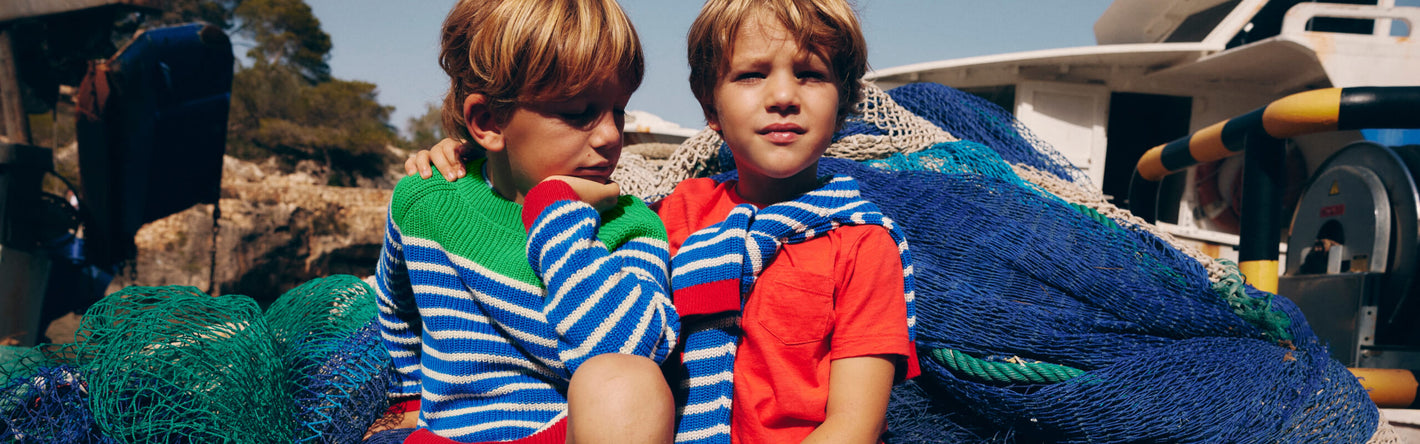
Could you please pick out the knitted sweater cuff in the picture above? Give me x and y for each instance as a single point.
(542, 196)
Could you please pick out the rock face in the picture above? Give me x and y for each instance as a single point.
(275, 232)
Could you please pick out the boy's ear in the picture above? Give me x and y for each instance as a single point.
(478, 118)
(712, 121)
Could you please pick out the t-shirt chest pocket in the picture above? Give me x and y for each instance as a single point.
(795, 306)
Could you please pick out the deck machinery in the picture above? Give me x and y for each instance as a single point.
(1353, 254)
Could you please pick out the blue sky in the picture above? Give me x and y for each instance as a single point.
(395, 44)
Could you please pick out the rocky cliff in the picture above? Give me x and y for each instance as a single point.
(274, 232)
(277, 229)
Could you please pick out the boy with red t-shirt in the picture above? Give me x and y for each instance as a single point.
(822, 279)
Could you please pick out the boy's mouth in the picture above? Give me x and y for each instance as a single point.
(782, 133)
(600, 174)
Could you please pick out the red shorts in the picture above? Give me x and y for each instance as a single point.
(557, 434)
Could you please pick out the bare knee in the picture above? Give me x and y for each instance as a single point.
(619, 398)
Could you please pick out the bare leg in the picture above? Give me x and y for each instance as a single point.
(622, 399)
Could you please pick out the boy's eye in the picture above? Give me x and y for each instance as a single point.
(813, 75)
(582, 115)
(750, 75)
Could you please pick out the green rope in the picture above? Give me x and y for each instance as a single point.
(1257, 311)
(1092, 214)
(1004, 372)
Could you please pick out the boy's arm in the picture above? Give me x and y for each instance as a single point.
(858, 391)
(870, 349)
(597, 301)
(400, 326)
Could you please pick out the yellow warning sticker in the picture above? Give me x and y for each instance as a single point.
(1335, 188)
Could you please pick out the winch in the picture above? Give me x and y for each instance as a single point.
(1352, 255)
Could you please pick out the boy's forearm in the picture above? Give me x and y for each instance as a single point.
(598, 301)
(858, 392)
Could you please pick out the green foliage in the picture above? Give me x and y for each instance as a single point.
(426, 130)
(286, 32)
(216, 12)
(338, 122)
(287, 105)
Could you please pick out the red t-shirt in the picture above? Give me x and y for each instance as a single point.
(838, 295)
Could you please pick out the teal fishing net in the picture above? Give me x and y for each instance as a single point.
(170, 364)
(167, 364)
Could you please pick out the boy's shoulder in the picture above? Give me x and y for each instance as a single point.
(412, 187)
(630, 219)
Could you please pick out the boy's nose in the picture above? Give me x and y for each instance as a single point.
(783, 95)
(606, 132)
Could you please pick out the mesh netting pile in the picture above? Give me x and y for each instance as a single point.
(1044, 314)
(338, 362)
(171, 364)
(1047, 314)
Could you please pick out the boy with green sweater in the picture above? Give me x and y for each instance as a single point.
(513, 309)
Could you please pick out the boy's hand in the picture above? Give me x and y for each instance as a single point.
(600, 196)
(393, 420)
(444, 155)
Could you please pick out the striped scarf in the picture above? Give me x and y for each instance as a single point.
(715, 270)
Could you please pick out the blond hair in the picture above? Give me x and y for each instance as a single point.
(524, 51)
(826, 28)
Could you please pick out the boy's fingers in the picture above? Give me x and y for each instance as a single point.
(450, 167)
(421, 162)
(452, 151)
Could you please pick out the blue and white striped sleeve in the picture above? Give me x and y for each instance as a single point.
(598, 301)
(400, 325)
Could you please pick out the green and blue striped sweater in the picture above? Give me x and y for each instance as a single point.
(486, 320)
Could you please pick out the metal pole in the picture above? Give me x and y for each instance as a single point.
(1261, 216)
(13, 121)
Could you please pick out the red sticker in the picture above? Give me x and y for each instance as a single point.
(1333, 211)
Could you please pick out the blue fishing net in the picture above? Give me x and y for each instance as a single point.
(973, 118)
(1007, 271)
(49, 405)
(338, 367)
(1139, 344)
(339, 393)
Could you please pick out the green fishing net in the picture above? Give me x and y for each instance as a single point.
(171, 364)
(328, 307)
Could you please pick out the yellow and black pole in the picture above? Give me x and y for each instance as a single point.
(1262, 133)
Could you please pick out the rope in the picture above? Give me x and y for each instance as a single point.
(1257, 311)
(1092, 214)
(1004, 372)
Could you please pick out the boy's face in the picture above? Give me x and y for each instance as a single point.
(777, 106)
(579, 137)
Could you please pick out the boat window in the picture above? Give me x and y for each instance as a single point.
(1268, 22)
(1003, 96)
(1197, 26)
